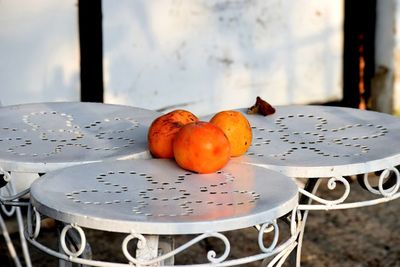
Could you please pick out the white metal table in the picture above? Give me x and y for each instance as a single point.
(150, 198)
(329, 142)
(37, 138)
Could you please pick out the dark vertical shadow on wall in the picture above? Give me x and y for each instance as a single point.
(359, 41)
(91, 50)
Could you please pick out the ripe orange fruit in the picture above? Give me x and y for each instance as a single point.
(237, 128)
(163, 130)
(201, 147)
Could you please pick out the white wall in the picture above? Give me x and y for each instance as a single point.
(202, 55)
(208, 55)
(382, 90)
(396, 54)
(39, 51)
(386, 82)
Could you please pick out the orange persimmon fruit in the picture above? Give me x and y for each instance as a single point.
(163, 129)
(237, 128)
(201, 147)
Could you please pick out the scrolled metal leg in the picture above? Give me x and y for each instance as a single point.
(9, 243)
(293, 220)
(311, 186)
(6, 178)
(166, 245)
(24, 244)
(14, 196)
(148, 250)
(20, 222)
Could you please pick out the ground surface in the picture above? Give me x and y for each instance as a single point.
(364, 237)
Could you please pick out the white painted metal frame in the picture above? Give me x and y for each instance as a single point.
(329, 143)
(13, 199)
(277, 253)
(171, 202)
(37, 138)
(321, 142)
(385, 195)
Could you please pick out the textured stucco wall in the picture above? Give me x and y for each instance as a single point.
(395, 56)
(39, 51)
(386, 82)
(201, 55)
(207, 55)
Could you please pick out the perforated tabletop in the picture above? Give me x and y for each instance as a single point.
(321, 141)
(155, 196)
(46, 136)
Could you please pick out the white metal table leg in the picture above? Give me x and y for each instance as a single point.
(312, 185)
(11, 190)
(148, 250)
(9, 243)
(20, 221)
(154, 247)
(166, 244)
(24, 244)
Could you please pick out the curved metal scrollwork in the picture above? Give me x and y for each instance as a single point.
(33, 228)
(284, 250)
(6, 178)
(11, 197)
(211, 255)
(276, 252)
(274, 242)
(7, 175)
(388, 192)
(9, 212)
(63, 241)
(332, 183)
(388, 188)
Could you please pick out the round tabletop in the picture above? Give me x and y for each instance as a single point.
(321, 141)
(47, 136)
(156, 196)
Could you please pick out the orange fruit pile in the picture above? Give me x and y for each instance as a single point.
(163, 130)
(202, 147)
(237, 128)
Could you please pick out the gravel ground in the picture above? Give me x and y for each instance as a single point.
(364, 237)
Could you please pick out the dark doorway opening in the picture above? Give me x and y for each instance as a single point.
(91, 50)
(359, 52)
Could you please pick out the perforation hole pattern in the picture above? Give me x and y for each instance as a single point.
(288, 135)
(53, 132)
(173, 194)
